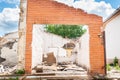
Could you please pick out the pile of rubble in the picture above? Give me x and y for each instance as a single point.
(71, 69)
(8, 53)
(113, 73)
(6, 70)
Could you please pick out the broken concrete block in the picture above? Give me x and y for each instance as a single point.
(50, 59)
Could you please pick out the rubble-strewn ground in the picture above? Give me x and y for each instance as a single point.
(8, 53)
(60, 69)
(6, 70)
(113, 73)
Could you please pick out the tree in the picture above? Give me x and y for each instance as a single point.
(69, 31)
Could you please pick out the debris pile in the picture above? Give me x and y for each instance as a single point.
(8, 53)
(69, 69)
(6, 70)
(113, 73)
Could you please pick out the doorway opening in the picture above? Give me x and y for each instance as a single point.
(58, 52)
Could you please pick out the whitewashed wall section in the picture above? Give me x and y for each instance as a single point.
(43, 42)
(37, 44)
(112, 36)
(83, 56)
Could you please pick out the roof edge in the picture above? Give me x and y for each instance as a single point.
(114, 14)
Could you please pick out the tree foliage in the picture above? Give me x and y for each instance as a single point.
(69, 31)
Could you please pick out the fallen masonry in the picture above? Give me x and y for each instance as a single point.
(44, 76)
(60, 69)
(6, 70)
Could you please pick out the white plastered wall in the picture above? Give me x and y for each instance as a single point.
(112, 30)
(83, 55)
(43, 42)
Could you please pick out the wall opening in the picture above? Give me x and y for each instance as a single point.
(51, 52)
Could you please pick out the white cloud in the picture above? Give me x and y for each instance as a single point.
(9, 16)
(100, 8)
(11, 1)
(9, 20)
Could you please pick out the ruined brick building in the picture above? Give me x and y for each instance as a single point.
(52, 12)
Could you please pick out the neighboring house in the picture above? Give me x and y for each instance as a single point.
(112, 36)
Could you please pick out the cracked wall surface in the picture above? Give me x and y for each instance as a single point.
(22, 33)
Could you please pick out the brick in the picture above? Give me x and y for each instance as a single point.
(57, 13)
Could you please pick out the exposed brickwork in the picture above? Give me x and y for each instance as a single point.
(51, 12)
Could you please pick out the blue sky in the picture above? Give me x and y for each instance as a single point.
(9, 16)
(9, 11)
(114, 3)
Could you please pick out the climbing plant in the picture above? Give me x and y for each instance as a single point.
(69, 31)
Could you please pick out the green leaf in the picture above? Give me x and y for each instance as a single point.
(69, 31)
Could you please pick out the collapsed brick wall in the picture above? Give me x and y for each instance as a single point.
(51, 12)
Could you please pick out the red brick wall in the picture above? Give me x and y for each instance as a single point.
(51, 12)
